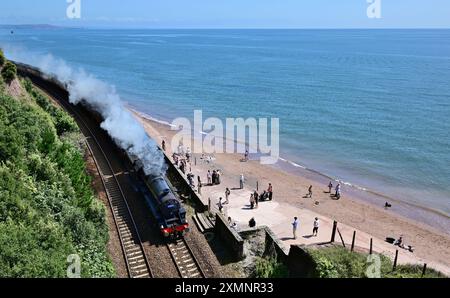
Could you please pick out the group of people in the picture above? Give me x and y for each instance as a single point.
(337, 193)
(337, 189)
(180, 162)
(213, 178)
(255, 197)
(296, 223)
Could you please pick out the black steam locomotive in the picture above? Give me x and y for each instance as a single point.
(165, 206)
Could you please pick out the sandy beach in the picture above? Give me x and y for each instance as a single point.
(431, 245)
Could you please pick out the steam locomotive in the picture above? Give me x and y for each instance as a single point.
(165, 206)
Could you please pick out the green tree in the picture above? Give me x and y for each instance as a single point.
(9, 72)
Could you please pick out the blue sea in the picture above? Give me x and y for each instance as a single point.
(369, 107)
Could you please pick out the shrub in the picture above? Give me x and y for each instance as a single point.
(2, 58)
(9, 72)
(47, 208)
(338, 262)
(270, 268)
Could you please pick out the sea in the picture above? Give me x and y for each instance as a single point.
(370, 108)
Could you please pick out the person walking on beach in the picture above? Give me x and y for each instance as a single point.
(310, 193)
(246, 155)
(227, 195)
(163, 145)
(256, 197)
(241, 181)
(316, 227)
(330, 186)
(294, 227)
(209, 177)
(270, 191)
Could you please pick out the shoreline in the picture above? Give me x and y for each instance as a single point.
(434, 218)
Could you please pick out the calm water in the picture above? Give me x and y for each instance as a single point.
(370, 107)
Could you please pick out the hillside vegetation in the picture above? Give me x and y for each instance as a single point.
(47, 207)
(338, 262)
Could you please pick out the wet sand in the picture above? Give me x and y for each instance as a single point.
(354, 213)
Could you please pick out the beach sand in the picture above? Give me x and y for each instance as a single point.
(431, 245)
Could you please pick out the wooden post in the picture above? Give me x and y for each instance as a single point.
(395, 261)
(342, 239)
(257, 186)
(371, 244)
(424, 270)
(353, 241)
(195, 161)
(333, 233)
(209, 205)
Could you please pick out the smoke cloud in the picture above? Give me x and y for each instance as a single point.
(120, 124)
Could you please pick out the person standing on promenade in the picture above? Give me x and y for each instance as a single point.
(310, 193)
(199, 184)
(270, 191)
(316, 227)
(241, 181)
(330, 186)
(220, 205)
(217, 177)
(252, 201)
(209, 177)
(214, 177)
(227, 195)
(294, 227)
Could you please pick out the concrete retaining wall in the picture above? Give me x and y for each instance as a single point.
(230, 237)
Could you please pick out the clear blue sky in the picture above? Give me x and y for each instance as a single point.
(231, 13)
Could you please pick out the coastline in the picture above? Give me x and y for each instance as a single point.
(432, 218)
(431, 244)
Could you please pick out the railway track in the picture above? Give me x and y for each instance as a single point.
(137, 264)
(136, 260)
(185, 261)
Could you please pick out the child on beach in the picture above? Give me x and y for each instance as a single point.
(330, 186)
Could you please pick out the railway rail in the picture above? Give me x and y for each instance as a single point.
(185, 260)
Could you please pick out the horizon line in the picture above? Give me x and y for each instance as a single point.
(219, 28)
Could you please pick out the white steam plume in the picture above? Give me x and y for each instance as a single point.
(127, 132)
